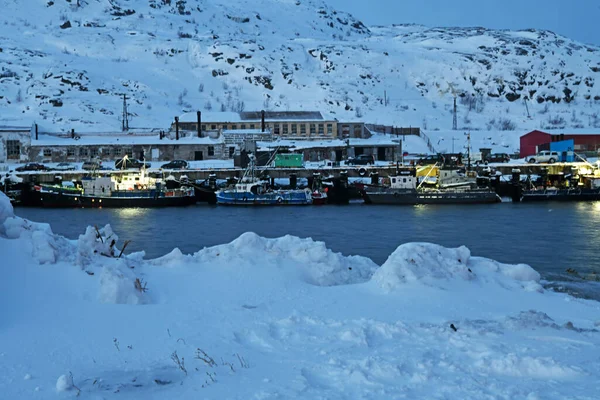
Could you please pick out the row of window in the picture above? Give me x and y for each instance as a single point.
(284, 129)
(92, 152)
(234, 127)
(279, 128)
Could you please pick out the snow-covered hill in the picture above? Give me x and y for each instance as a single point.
(67, 63)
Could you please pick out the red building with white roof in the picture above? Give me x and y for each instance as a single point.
(530, 142)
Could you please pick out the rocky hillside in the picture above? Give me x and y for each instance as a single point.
(67, 64)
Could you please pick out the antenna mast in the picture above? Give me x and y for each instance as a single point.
(454, 123)
(125, 121)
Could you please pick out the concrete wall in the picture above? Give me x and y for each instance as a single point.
(107, 153)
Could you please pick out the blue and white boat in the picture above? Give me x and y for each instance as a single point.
(253, 191)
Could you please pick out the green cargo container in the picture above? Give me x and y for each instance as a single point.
(289, 161)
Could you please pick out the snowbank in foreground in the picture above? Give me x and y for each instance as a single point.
(282, 318)
(432, 264)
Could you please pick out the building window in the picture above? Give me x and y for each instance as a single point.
(243, 126)
(276, 129)
(71, 152)
(329, 129)
(129, 153)
(285, 129)
(231, 152)
(83, 152)
(117, 151)
(211, 150)
(252, 126)
(213, 127)
(357, 131)
(294, 129)
(303, 129)
(47, 152)
(203, 127)
(224, 127)
(321, 129)
(13, 149)
(94, 152)
(233, 127)
(313, 129)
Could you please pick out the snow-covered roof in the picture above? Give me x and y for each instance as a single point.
(124, 140)
(254, 116)
(376, 140)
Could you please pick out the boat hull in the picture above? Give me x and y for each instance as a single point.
(276, 198)
(66, 200)
(434, 197)
(565, 195)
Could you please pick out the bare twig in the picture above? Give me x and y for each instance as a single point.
(74, 387)
(123, 248)
(243, 362)
(140, 285)
(201, 355)
(98, 235)
(116, 343)
(180, 363)
(230, 365)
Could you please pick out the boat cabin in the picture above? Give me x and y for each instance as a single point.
(404, 180)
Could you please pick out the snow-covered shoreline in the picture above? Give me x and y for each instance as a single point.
(281, 318)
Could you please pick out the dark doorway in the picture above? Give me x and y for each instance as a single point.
(338, 155)
(198, 156)
(381, 153)
(358, 151)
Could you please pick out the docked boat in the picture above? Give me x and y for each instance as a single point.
(251, 190)
(454, 189)
(319, 193)
(582, 185)
(122, 189)
(555, 194)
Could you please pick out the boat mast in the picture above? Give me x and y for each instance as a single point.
(468, 151)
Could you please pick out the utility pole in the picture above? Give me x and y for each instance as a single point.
(453, 140)
(125, 121)
(526, 107)
(454, 121)
(468, 151)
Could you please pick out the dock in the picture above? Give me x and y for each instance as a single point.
(355, 171)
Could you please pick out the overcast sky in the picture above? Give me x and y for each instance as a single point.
(576, 19)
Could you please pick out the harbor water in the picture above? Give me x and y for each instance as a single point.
(551, 237)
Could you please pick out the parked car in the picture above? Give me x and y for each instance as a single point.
(544, 157)
(494, 158)
(92, 165)
(498, 158)
(126, 163)
(430, 159)
(32, 167)
(64, 166)
(362, 159)
(176, 164)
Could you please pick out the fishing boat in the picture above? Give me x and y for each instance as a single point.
(449, 187)
(251, 190)
(583, 184)
(126, 188)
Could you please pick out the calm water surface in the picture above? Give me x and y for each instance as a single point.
(550, 237)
